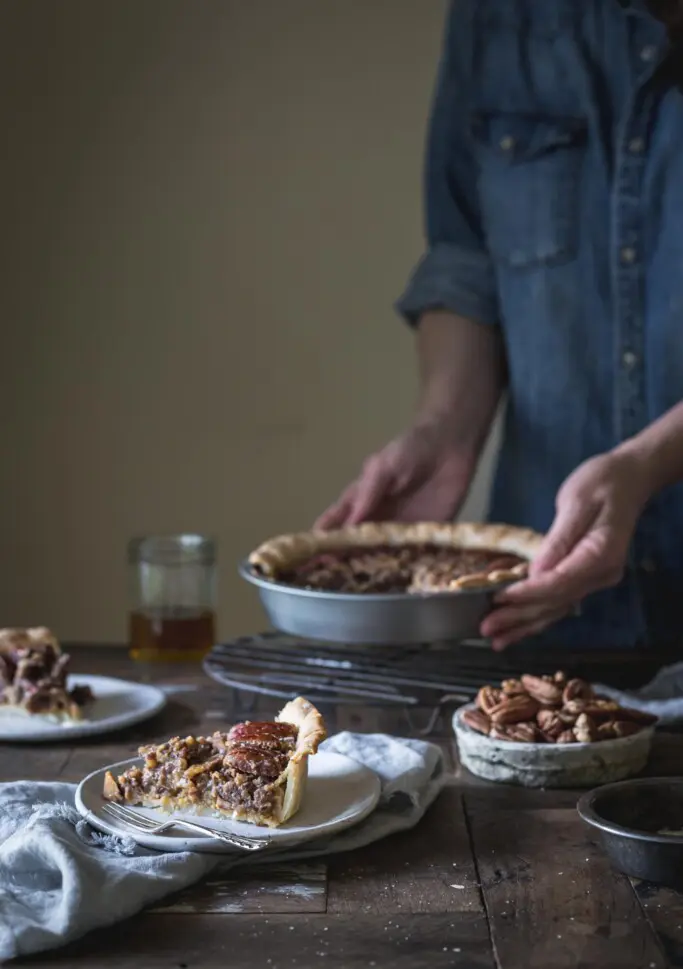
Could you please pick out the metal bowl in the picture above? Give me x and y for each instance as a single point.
(628, 817)
(377, 619)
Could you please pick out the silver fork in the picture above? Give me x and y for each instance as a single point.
(139, 822)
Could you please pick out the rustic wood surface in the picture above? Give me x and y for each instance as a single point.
(493, 877)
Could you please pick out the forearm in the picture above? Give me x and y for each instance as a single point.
(462, 376)
(660, 450)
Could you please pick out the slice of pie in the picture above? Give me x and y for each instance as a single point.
(255, 772)
(33, 676)
(393, 557)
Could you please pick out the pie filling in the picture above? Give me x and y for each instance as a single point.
(406, 568)
(33, 675)
(255, 772)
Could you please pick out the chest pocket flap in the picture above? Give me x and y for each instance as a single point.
(529, 183)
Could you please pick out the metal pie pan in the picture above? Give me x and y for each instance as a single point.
(377, 619)
(628, 818)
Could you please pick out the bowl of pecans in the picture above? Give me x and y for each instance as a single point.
(551, 731)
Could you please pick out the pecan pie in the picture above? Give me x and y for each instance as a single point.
(394, 557)
(33, 675)
(255, 772)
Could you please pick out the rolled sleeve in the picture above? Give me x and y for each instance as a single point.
(449, 277)
(456, 273)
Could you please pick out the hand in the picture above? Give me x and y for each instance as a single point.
(420, 476)
(586, 549)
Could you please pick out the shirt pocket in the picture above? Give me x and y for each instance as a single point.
(529, 182)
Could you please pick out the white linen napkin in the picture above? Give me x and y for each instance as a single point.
(59, 878)
(662, 696)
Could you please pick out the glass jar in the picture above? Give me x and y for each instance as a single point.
(172, 597)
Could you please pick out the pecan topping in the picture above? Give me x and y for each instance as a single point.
(255, 760)
(566, 737)
(266, 734)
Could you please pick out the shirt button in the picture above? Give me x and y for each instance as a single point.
(648, 53)
(507, 143)
(648, 565)
(629, 359)
(628, 254)
(636, 145)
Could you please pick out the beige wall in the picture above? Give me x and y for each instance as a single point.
(208, 209)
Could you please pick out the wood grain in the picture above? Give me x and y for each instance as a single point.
(409, 901)
(552, 898)
(427, 869)
(664, 908)
(265, 889)
(280, 942)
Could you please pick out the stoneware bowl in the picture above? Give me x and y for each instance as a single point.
(628, 818)
(551, 765)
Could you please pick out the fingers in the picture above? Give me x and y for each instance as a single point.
(361, 499)
(337, 514)
(369, 490)
(595, 563)
(570, 525)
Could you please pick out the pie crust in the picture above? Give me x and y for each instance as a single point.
(276, 557)
(33, 675)
(256, 772)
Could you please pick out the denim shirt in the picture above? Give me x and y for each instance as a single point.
(554, 199)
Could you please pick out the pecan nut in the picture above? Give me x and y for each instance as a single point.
(525, 733)
(550, 723)
(547, 693)
(514, 709)
(512, 687)
(574, 707)
(606, 730)
(477, 720)
(585, 729)
(488, 698)
(600, 709)
(577, 690)
(566, 737)
(625, 728)
(637, 716)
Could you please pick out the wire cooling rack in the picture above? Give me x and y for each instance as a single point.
(431, 676)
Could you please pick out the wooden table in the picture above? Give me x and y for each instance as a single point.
(492, 877)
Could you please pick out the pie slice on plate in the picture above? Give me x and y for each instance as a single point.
(33, 676)
(255, 772)
(397, 557)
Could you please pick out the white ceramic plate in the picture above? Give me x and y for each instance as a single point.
(117, 704)
(340, 793)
